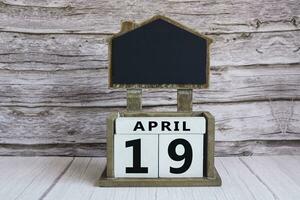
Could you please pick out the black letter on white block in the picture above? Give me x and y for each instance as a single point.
(152, 124)
(139, 125)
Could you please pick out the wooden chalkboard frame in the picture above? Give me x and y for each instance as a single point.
(210, 178)
(134, 26)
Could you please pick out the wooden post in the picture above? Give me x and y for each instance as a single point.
(127, 26)
(185, 100)
(134, 99)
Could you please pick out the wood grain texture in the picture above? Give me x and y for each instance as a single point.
(237, 121)
(89, 87)
(78, 16)
(79, 180)
(241, 180)
(271, 174)
(250, 178)
(61, 149)
(274, 120)
(53, 73)
(28, 178)
(223, 148)
(54, 52)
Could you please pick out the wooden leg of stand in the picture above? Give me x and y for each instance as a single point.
(134, 99)
(185, 100)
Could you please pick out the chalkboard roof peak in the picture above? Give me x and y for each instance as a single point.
(129, 26)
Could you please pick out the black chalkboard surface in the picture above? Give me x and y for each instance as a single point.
(158, 54)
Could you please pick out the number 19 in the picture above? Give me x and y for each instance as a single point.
(187, 156)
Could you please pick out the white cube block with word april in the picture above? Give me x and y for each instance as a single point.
(160, 125)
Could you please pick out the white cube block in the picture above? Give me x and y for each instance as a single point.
(181, 155)
(160, 125)
(136, 156)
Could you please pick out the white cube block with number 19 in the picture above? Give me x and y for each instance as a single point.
(181, 155)
(136, 156)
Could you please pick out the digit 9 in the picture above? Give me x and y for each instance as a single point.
(187, 156)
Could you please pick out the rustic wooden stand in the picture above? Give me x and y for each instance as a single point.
(184, 107)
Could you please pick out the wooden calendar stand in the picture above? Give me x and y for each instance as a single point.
(152, 55)
(184, 107)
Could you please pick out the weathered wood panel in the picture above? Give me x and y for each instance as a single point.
(53, 73)
(234, 122)
(59, 149)
(89, 87)
(65, 51)
(223, 148)
(257, 147)
(79, 16)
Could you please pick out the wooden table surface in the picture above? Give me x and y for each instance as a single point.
(273, 177)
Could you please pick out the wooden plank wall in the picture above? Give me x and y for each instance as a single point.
(54, 96)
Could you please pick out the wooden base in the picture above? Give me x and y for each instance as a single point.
(104, 181)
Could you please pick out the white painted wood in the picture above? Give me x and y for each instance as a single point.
(29, 177)
(257, 178)
(289, 166)
(160, 125)
(238, 182)
(79, 182)
(166, 162)
(274, 176)
(124, 156)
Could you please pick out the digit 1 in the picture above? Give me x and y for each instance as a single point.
(136, 146)
(187, 156)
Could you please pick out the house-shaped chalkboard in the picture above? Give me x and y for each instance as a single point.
(159, 53)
